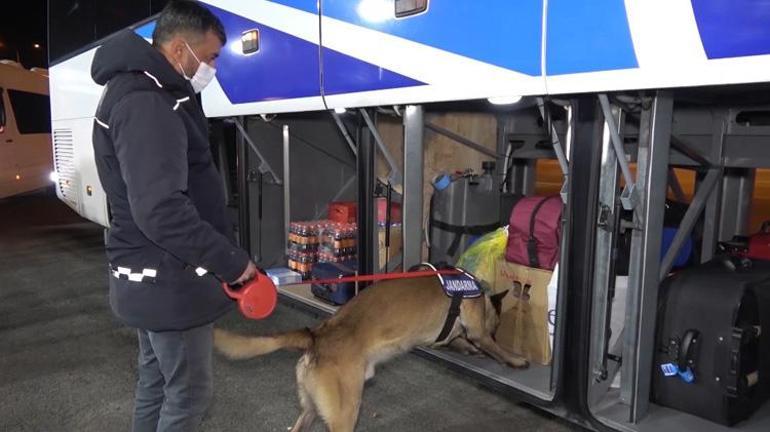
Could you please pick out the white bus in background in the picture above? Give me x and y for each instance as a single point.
(26, 162)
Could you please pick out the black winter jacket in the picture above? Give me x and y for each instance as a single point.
(166, 198)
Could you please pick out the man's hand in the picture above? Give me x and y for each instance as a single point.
(248, 274)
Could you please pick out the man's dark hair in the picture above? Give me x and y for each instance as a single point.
(186, 16)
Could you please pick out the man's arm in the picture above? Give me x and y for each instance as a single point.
(151, 146)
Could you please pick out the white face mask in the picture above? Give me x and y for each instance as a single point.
(203, 75)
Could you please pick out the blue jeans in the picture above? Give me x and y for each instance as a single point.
(175, 385)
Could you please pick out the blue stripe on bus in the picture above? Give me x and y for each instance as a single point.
(286, 67)
(733, 28)
(146, 30)
(305, 5)
(588, 36)
(345, 74)
(500, 32)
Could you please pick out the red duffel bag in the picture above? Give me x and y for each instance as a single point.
(759, 243)
(534, 231)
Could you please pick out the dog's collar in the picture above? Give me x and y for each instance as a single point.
(463, 284)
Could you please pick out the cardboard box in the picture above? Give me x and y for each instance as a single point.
(395, 211)
(524, 319)
(347, 211)
(343, 211)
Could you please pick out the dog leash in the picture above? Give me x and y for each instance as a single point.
(258, 297)
(378, 277)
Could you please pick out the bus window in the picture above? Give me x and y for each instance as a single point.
(32, 111)
(2, 111)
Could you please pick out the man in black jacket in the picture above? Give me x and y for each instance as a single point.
(169, 244)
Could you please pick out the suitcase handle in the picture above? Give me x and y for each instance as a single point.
(686, 357)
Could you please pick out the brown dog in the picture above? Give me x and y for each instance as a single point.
(384, 320)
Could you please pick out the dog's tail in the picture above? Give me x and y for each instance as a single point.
(236, 346)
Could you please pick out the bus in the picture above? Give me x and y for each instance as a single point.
(617, 106)
(25, 130)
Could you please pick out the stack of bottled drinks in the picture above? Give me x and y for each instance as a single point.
(310, 242)
(337, 242)
(303, 246)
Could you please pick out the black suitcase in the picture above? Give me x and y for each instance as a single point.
(711, 356)
(761, 289)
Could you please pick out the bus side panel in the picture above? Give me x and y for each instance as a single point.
(281, 76)
(74, 98)
(453, 49)
(636, 44)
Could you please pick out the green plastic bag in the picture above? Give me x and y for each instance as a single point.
(481, 257)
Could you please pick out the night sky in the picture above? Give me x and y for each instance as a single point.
(20, 31)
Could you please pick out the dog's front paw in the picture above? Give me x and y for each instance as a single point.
(518, 363)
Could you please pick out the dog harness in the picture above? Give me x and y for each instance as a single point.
(457, 287)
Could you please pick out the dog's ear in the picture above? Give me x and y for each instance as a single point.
(497, 301)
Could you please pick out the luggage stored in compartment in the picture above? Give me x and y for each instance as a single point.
(339, 293)
(710, 358)
(759, 243)
(755, 247)
(534, 232)
(672, 218)
(463, 207)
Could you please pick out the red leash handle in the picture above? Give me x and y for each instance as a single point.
(258, 297)
(379, 277)
(233, 294)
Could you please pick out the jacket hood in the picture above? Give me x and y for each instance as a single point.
(129, 52)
